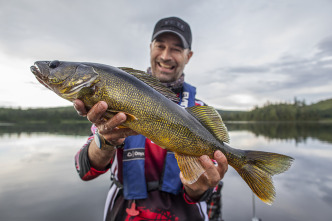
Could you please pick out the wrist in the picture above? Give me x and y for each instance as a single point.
(98, 158)
(194, 194)
(197, 196)
(104, 144)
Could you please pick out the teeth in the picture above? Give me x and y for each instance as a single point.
(37, 68)
(165, 66)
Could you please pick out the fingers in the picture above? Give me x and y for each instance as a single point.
(110, 129)
(210, 178)
(95, 115)
(107, 127)
(112, 123)
(80, 108)
(222, 163)
(116, 136)
(213, 174)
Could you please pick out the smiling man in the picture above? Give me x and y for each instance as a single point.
(170, 49)
(147, 183)
(168, 57)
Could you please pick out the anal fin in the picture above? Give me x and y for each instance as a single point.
(190, 167)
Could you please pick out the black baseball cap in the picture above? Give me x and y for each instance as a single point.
(174, 25)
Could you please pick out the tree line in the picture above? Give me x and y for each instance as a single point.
(297, 111)
(41, 115)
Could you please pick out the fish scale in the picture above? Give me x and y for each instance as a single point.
(152, 111)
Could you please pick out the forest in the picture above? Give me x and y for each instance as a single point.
(296, 111)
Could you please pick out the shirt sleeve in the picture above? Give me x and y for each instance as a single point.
(82, 162)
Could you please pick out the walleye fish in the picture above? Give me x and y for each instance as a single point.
(152, 111)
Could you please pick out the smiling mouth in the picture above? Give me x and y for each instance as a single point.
(166, 66)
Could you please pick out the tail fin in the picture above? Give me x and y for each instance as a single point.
(258, 169)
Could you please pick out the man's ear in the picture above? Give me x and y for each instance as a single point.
(189, 55)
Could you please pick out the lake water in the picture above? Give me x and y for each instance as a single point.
(38, 180)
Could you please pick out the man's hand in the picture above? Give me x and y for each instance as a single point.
(107, 128)
(210, 178)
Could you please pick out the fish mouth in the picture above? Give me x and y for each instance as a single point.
(38, 71)
(35, 70)
(39, 75)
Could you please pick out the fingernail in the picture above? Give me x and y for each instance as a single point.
(99, 105)
(205, 158)
(78, 112)
(103, 105)
(218, 154)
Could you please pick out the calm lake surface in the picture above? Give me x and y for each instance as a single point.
(38, 180)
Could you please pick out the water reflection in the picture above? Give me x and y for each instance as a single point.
(39, 181)
(61, 128)
(298, 131)
(303, 193)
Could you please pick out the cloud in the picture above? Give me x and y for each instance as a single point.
(305, 77)
(245, 52)
(325, 47)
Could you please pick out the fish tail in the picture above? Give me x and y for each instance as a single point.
(257, 170)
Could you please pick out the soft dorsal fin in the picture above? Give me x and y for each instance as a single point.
(211, 119)
(152, 82)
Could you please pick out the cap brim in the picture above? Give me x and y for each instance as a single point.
(184, 42)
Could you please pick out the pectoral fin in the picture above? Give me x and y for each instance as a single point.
(111, 113)
(190, 167)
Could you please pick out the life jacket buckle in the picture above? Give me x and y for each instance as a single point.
(116, 182)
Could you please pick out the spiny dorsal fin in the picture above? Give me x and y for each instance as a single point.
(190, 167)
(152, 82)
(211, 119)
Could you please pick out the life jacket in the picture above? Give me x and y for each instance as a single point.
(134, 183)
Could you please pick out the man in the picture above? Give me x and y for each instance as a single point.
(147, 183)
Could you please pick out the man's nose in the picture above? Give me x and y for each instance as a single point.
(166, 54)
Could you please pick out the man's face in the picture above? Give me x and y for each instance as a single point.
(168, 57)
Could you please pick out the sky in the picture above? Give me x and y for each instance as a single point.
(246, 53)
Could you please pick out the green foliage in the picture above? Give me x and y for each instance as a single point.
(61, 120)
(41, 115)
(298, 111)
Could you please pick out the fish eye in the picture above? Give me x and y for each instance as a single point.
(54, 64)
